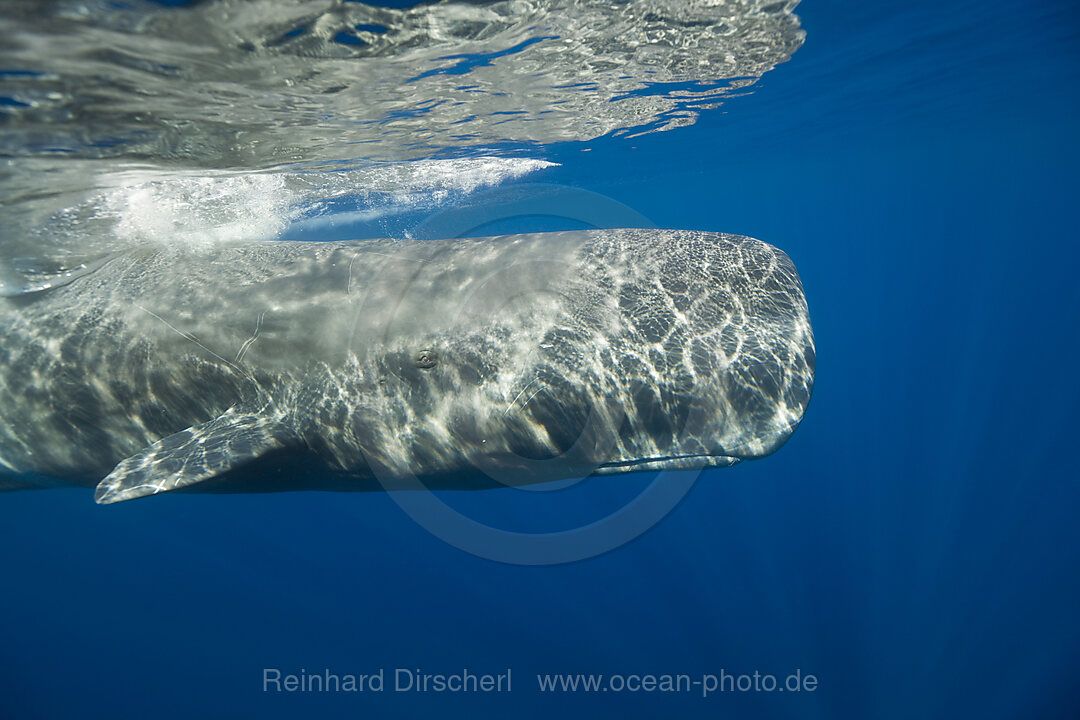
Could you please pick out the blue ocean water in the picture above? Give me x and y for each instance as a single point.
(913, 547)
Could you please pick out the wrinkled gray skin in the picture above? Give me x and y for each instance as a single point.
(462, 363)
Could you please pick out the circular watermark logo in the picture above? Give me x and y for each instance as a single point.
(524, 281)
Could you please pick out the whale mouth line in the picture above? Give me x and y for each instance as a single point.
(674, 462)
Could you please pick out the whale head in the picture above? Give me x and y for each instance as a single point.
(533, 357)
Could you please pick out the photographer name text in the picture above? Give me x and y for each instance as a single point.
(276, 680)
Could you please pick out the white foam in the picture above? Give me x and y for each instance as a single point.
(193, 211)
(200, 211)
(417, 184)
(440, 178)
(390, 189)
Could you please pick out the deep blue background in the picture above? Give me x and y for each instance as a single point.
(915, 545)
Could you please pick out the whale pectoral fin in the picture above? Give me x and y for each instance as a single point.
(192, 456)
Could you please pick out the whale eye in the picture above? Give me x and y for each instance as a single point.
(426, 359)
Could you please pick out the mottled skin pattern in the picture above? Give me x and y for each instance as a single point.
(377, 363)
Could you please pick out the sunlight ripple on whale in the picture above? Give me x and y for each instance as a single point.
(384, 364)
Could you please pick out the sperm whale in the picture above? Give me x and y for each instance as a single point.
(394, 364)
